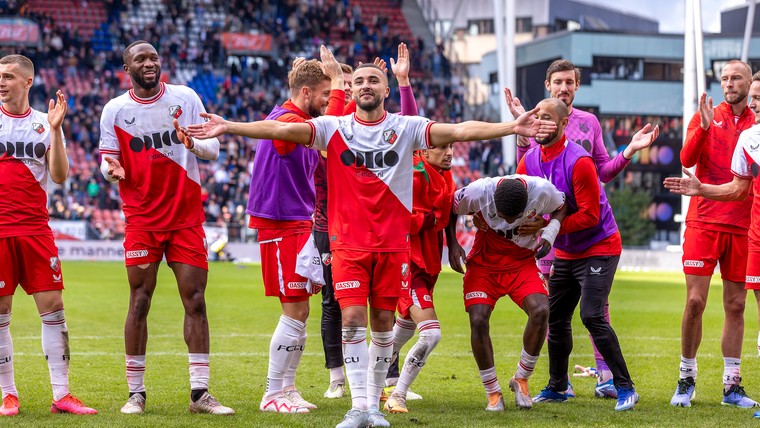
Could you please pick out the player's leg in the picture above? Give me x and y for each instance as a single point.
(9, 275)
(605, 387)
(331, 322)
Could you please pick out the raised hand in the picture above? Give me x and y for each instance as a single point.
(401, 66)
(298, 61)
(115, 169)
(381, 64)
(528, 125)
(214, 126)
(515, 107)
(57, 111)
(688, 185)
(182, 135)
(330, 66)
(706, 112)
(641, 140)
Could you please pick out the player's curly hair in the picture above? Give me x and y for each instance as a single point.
(510, 197)
(308, 74)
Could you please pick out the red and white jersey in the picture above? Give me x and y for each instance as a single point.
(369, 175)
(478, 197)
(746, 164)
(161, 190)
(24, 143)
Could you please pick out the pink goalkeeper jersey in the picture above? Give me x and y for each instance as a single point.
(24, 143)
(161, 190)
(369, 176)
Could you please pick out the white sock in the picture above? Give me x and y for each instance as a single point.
(758, 344)
(403, 330)
(356, 359)
(490, 381)
(7, 382)
(380, 353)
(526, 365)
(135, 373)
(55, 346)
(430, 335)
(604, 376)
(199, 371)
(281, 350)
(732, 372)
(289, 381)
(336, 374)
(688, 368)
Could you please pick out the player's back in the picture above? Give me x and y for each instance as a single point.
(24, 143)
(161, 188)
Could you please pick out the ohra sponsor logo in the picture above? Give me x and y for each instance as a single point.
(370, 159)
(175, 111)
(750, 279)
(693, 263)
(38, 127)
(155, 140)
(136, 254)
(475, 295)
(21, 149)
(297, 285)
(346, 285)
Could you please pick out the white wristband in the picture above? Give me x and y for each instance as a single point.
(550, 231)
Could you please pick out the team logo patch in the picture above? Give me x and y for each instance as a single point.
(595, 271)
(38, 127)
(327, 259)
(754, 148)
(129, 123)
(136, 254)
(404, 270)
(2, 284)
(427, 298)
(584, 127)
(55, 264)
(532, 213)
(175, 111)
(57, 278)
(390, 136)
(475, 295)
(297, 285)
(346, 285)
(718, 124)
(693, 263)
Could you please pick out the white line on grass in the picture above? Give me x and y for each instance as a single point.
(320, 354)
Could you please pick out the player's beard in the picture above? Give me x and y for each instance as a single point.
(737, 97)
(313, 111)
(142, 83)
(369, 105)
(547, 140)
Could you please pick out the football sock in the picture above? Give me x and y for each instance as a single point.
(430, 335)
(403, 330)
(55, 346)
(135, 373)
(526, 365)
(732, 372)
(290, 375)
(336, 374)
(688, 368)
(355, 357)
(199, 372)
(380, 353)
(284, 341)
(490, 381)
(7, 382)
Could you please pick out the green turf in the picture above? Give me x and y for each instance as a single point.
(646, 313)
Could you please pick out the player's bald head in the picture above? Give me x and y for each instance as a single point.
(555, 105)
(741, 65)
(127, 54)
(25, 65)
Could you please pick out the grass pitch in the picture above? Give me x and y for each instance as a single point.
(646, 313)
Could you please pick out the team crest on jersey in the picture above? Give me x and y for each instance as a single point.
(390, 136)
(327, 259)
(583, 127)
(404, 270)
(532, 213)
(130, 122)
(55, 264)
(175, 111)
(2, 283)
(38, 127)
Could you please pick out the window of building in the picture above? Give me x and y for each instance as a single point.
(480, 26)
(524, 25)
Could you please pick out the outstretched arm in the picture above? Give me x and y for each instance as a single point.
(735, 190)
(526, 124)
(299, 133)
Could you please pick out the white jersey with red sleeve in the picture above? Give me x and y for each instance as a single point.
(161, 190)
(745, 164)
(369, 175)
(24, 143)
(478, 197)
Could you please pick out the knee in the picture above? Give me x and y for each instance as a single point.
(591, 321)
(140, 305)
(479, 324)
(195, 305)
(695, 305)
(431, 337)
(539, 314)
(735, 306)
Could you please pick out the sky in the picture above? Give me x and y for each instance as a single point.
(670, 13)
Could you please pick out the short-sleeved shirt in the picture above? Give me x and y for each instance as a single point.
(24, 143)
(369, 175)
(745, 164)
(162, 189)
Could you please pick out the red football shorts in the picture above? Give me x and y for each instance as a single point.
(380, 277)
(752, 281)
(31, 261)
(703, 249)
(278, 267)
(186, 246)
(483, 286)
(420, 292)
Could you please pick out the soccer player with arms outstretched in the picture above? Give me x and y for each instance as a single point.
(369, 201)
(31, 148)
(146, 150)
